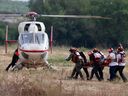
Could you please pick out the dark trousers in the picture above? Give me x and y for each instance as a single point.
(13, 62)
(87, 73)
(77, 71)
(120, 70)
(97, 70)
(112, 72)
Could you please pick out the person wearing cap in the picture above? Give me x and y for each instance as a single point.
(78, 60)
(121, 62)
(113, 64)
(95, 58)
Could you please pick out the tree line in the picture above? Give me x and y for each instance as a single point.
(85, 32)
(9, 6)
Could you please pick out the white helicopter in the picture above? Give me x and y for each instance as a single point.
(33, 42)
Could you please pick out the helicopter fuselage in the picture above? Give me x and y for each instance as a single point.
(33, 43)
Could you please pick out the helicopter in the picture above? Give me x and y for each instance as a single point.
(33, 41)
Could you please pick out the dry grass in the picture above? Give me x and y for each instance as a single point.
(39, 82)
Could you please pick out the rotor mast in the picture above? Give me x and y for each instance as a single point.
(32, 15)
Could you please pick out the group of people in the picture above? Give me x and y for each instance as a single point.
(115, 60)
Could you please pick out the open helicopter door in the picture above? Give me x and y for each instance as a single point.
(51, 38)
(8, 41)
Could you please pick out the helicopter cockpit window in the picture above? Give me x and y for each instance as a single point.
(39, 38)
(26, 27)
(39, 27)
(27, 38)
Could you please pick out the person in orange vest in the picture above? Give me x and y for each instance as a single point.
(14, 60)
(78, 60)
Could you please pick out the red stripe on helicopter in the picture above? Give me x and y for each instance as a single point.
(34, 51)
(11, 41)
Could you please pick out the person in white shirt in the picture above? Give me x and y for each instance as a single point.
(113, 64)
(121, 62)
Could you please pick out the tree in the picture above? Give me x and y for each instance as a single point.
(86, 32)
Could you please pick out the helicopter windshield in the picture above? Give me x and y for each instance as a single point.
(36, 38)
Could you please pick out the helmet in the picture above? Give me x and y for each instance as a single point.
(73, 49)
(95, 50)
(120, 49)
(110, 50)
(90, 53)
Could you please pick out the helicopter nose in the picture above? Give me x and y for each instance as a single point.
(33, 47)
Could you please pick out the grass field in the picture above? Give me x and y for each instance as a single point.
(40, 82)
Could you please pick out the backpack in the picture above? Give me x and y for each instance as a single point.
(74, 58)
(122, 58)
(83, 56)
(97, 57)
(102, 56)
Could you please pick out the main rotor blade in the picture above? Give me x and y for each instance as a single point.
(76, 16)
(59, 16)
(11, 15)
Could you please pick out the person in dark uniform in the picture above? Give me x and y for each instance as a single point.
(84, 65)
(78, 60)
(91, 62)
(96, 64)
(14, 60)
